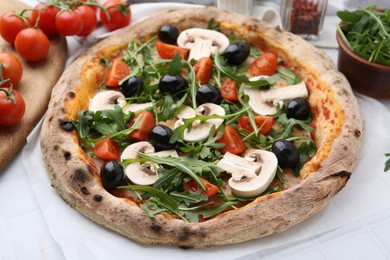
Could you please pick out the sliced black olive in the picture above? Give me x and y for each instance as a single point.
(112, 175)
(67, 125)
(160, 137)
(168, 34)
(298, 108)
(173, 84)
(208, 94)
(236, 53)
(132, 86)
(286, 152)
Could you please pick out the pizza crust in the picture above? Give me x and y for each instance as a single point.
(337, 135)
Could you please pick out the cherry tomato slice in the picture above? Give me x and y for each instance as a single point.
(264, 123)
(265, 64)
(47, 18)
(32, 44)
(11, 109)
(107, 149)
(118, 71)
(232, 140)
(120, 14)
(10, 25)
(168, 51)
(229, 89)
(192, 186)
(146, 125)
(12, 69)
(203, 69)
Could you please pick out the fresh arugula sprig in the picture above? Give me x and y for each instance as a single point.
(366, 32)
(387, 164)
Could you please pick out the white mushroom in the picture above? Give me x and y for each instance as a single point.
(202, 42)
(106, 100)
(201, 130)
(135, 107)
(264, 102)
(251, 175)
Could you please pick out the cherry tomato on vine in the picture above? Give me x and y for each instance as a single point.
(32, 44)
(146, 124)
(192, 185)
(168, 51)
(264, 123)
(47, 17)
(265, 64)
(11, 69)
(119, 14)
(107, 149)
(12, 107)
(229, 89)
(118, 71)
(10, 25)
(92, 2)
(69, 23)
(232, 140)
(88, 15)
(203, 68)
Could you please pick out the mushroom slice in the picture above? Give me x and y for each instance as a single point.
(201, 130)
(186, 112)
(135, 107)
(238, 166)
(253, 184)
(202, 42)
(264, 102)
(106, 100)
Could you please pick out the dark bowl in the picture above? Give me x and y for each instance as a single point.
(365, 77)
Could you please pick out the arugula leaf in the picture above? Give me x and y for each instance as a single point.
(175, 65)
(163, 197)
(193, 215)
(213, 26)
(387, 164)
(306, 151)
(189, 198)
(289, 76)
(289, 123)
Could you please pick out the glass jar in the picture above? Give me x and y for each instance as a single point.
(304, 17)
(238, 6)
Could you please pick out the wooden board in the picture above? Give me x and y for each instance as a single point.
(35, 87)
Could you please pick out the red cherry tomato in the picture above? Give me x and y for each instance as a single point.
(47, 18)
(193, 186)
(118, 71)
(69, 23)
(265, 64)
(146, 124)
(203, 68)
(119, 14)
(168, 51)
(10, 25)
(232, 140)
(92, 2)
(229, 89)
(90, 21)
(12, 107)
(107, 149)
(11, 69)
(264, 123)
(32, 44)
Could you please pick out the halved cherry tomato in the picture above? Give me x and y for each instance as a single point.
(203, 68)
(264, 123)
(146, 124)
(90, 21)
(107, 149)
(69, 23)
(120, 14)
(47, 18)
(12, 107)
(32, 44)
(10, 25)
(11, 69)
(265, 64)
(118, 71)
(232, 140)
(192, 186)
(168, 51)
(229, 89)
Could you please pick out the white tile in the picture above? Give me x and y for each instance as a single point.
(5, 250)
(382, 234)
(14, 169)
(28, 233)
(16, 198)
(54, 253)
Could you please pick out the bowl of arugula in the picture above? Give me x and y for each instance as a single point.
(364, 50)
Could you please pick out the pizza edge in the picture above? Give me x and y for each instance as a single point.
(73, 175)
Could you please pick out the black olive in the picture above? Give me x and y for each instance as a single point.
(173, 84)
(132, 86)
(208, 94)
(112, 175)
(67, 125)
(286, 152)
(236, 53)
(168, 34)
(160, 137)
(298, 108)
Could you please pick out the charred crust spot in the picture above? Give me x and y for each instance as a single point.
(56, 147)
(155, 227)
(253, 27)
(71, 95)
(186, 247)
(67, 156)
(345, 148)
(80, 176)
(343, 174)
(66, 125)
(97, 198)
(50, 119)
(184, 234)
(90, 169)
(85, 191)
(358, 133)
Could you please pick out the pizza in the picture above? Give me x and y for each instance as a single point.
(199, 128)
